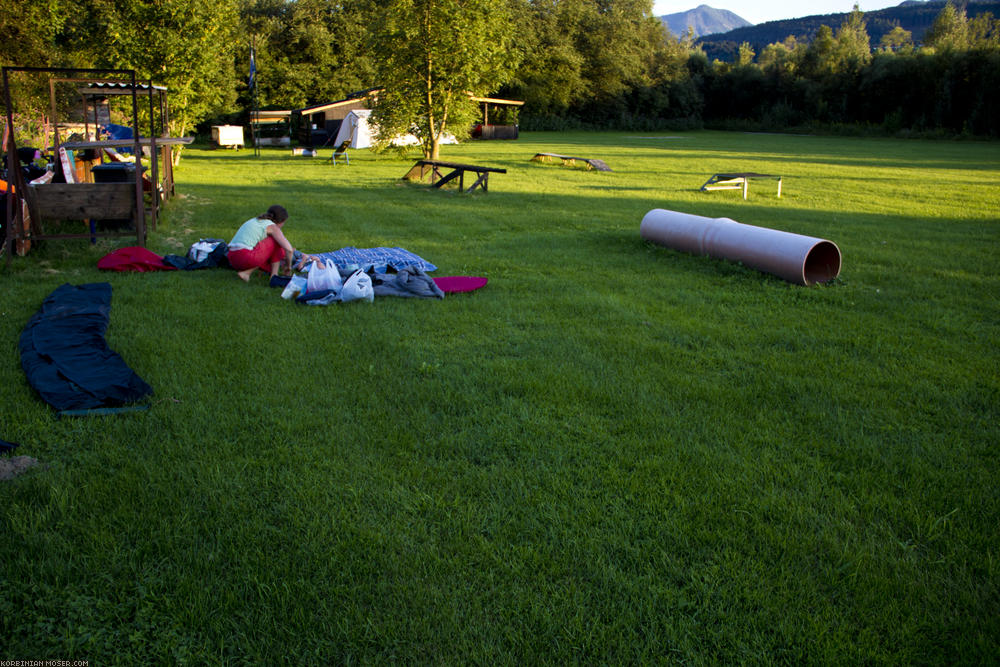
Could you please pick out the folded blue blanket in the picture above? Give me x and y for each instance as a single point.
(379, 259)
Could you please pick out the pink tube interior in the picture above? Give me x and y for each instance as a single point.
(822, 263)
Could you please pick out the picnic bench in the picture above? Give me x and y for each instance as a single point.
(740, 181)
(423, 168)
(569, 160)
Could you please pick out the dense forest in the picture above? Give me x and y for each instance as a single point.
(576, 63)
(914, 16)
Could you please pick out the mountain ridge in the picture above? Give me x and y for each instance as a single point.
(703, 20)
(912, 15)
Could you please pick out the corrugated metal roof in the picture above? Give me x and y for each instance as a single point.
(118, 88)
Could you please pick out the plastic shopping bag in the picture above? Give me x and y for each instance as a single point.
(323, 277)
(358, 286)
(295, 286)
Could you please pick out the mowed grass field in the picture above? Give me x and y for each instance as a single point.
(615, 453)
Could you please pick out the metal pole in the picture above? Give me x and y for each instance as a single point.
(255, 113)
(153, 159)
(140, 208)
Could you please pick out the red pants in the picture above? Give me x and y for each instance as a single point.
(263, 255)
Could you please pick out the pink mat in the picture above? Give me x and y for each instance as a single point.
(452, 284)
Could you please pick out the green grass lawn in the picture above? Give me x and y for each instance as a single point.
(614, 453)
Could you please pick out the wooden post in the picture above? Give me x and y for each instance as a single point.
(52, 114)
(12, 167)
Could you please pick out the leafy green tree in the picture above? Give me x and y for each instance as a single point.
(984, 32)
(819, 59)
(949, 32)
(550, 77)
(30, 32)
(28, 29)
(584, 54)
(781, 58)
(431, 55)
(853, 50)
(615, 38)
(187, 45)
(898, 40)
(744, 57)
(673, 99)
(307, 51)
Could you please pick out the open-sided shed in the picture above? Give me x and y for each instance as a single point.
(271, 127)
(318, 124)
(505, 109)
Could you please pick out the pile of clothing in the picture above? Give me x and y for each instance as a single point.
(322, 282)
(348, 274)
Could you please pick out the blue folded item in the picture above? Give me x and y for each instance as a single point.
(119, 132)
(65, 357)
(380, 260)
(322, 297)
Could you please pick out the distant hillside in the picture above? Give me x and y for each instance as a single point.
(704, 20)
(912, 15)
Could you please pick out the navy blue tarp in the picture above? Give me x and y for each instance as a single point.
(65, 356)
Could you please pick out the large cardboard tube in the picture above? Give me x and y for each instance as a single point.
(803, 260)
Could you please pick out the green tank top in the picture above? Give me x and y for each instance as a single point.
(250, 234)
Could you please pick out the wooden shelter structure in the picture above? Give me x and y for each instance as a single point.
(97, 93)
(80, 198)
(158, 146)
(271, 128)
(488, 131)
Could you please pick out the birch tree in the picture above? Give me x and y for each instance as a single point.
(430, 55)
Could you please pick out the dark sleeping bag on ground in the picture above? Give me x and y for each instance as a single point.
(65, 356)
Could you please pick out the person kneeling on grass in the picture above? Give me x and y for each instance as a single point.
(260, 243)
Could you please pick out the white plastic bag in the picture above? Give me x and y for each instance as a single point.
(201, 250)
(358, 286)
(323, 277)
(295, 286)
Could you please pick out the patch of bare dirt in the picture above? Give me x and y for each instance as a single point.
(11, 467)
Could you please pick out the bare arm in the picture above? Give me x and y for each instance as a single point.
(274, 231)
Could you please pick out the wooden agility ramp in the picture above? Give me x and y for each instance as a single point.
(569, 161)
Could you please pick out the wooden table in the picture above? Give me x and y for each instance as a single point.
(433, 167)
(738, 181)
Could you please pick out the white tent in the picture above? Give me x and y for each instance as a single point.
(355, 128)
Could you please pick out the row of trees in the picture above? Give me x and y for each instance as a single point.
(576, 63)
(950, 84)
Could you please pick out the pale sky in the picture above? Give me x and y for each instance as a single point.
(760, 11)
